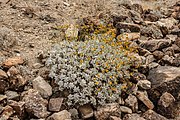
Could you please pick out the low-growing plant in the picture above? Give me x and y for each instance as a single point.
(94, 70)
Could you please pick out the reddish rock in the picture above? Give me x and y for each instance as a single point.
(13, 61)
(144, 98)
(55, 104)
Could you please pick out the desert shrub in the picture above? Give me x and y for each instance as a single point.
(95, 68)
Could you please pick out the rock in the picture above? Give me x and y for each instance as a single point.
(3, 74)
(62, 115)
(2, 97)
(7, 112)
(74, 113)
(150, 16)
(175, 48)
(114, 118)
(132, 102)
(155, 44)
(133, 116)
(149, 59)
(107, 110)
(72, 32)
(121, 101)
(137, 7)
(177, 42)
(125, 109)
(169, 51)
(135, 16)
(55, 104)
(176, 31)
(151, 115)
(128, 26)
(162, 74)
(144, 84)
(167, 22)
(128, 36)
(34, 104)
(15, 79)
(166, 99)
(3, 86)
(168, 106)
(151, 31)
(168, 59)
(12, 95)
(18, 108)
(142, 96)
(158, 54)
(13, 61)
(42, 87)
(86, 111)
(153, 65)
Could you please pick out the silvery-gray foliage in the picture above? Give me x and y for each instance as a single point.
(89, 70)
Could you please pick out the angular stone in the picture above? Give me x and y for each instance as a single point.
(15, 78)
(55, 104)
(158, 54)
(34, 104)
(144, 98)
(133, 116)
(151, 115)
(137, 7)
(128, 26)
(13, 61)
(132, 102)
(125, 109)
(168, 106)
(156, 44)
(2, 97)
(3, 86)
(151, 31)
(167, 22)
(144, 84)
(7, 112)
(107, 110)
(86, 111)
(3, 74)
(162, 74)
(149, 59)
(12, 95)
(166, 99)
(74, 113)
(42, 87)
(62, 115)
(177, 42)
(168, 59)
(18, 108)
(153, 65)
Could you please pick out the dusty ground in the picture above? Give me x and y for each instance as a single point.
(31, 24)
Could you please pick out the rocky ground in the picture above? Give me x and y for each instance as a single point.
(29, 29)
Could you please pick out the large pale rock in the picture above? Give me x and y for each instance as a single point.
(125, 109)
(62, 115)
(34, 104)
(144, 84)
(42, 87)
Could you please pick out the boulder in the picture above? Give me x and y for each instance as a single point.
(86, 111)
